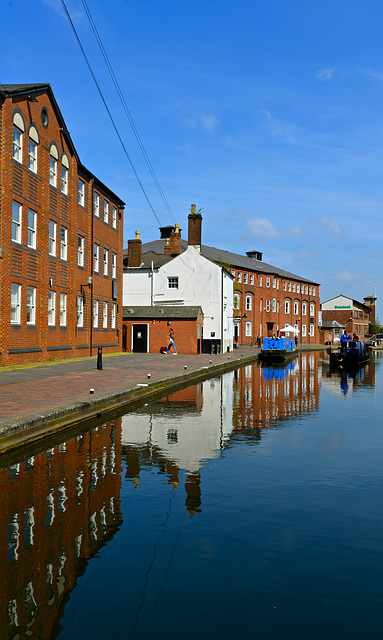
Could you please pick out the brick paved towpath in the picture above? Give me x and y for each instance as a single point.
(33, 401)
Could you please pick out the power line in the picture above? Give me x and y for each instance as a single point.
(108, 110)
(126, 108)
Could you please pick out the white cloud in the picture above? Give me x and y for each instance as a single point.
(348, 276)
(208, 121)
(280, 128)
(331, 225)
(325, 74)
(263, 227)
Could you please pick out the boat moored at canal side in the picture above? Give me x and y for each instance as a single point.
(352, 356)
(277, 349)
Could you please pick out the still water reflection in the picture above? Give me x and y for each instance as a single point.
(248, 505)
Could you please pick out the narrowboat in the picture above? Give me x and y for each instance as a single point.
(277, 349)
(352, 356)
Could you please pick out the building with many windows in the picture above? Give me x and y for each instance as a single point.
(60, 237)
(265, 298)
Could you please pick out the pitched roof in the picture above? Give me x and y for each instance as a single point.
(160, 312)
(12, 90)
(154, 251)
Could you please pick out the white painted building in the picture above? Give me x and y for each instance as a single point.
(187, 279)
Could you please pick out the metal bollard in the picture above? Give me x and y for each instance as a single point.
(99, 358)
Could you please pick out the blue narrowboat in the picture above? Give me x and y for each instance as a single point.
(277, 349)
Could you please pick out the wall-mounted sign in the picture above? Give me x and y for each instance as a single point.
(342, 306)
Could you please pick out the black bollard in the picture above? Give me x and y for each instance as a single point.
(99, 358)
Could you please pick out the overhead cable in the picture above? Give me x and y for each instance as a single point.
(126, 108)
(108, 110)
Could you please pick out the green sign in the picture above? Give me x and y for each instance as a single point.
(343, 306)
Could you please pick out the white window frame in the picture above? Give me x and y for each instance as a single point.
(304, 309)
(284, 285)
(95, 314)
(114, 217)
(248, 329)
(31, 305)
(296, 308)
(260, 304)
(268, 282)
(51, 308)
(267, 305)
(80, 250)
(17, 149)
(251, 278)
(52, 237)
(260, 281)
(96, 204)
(239, 277)
(113, 318)
(312, 310)
(287, 307)
(298, 287)
(236, 300)
(274, 305)
(64, 180)
(32, 155)
(106, 211)
(15, 303)
(81, 193)
(303, 331)
(289, 287)
(17, 214)
(114, 265)
(80, 311)
(63, 308)
(32, 222)
(105, 262)
(274, 283)
(105, 315)
(63, 243)
(306, 289)
(173, 282)
(249, 303)
(245, 276)
(311, 331)
(309, 291)
(52, 171)
(96, 257)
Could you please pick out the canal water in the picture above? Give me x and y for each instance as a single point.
(247, 506)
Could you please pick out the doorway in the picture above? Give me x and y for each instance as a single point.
(140, 338)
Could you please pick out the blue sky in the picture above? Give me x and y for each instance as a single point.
(267, 115)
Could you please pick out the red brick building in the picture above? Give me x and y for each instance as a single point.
(353, 315)
(146, 329)
(266, 298)
(61, 237)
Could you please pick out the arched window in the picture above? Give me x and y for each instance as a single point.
(32, 148)
(54, 156)
(18, 130)
(64, 173)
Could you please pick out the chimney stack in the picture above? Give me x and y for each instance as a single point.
(135, 251)
(195, 227)
(173, 244)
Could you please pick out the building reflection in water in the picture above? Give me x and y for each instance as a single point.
(348, 382)
(180, 433)
(61, 505)
(58, 508)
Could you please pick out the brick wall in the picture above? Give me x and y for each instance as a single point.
(185, 334)
(34, 267)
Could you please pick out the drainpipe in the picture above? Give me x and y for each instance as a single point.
(221, 310)
(91, 272)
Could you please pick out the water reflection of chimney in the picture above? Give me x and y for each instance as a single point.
(172, 472)
(193, 493)
(133, 467)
